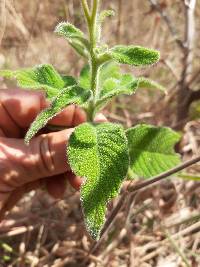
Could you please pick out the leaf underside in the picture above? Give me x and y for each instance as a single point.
(144, 82)
(85, 77)
(74, 36)
(99, 153)
(134, 55)
(68, 30)
(151, 150)
(70, 95)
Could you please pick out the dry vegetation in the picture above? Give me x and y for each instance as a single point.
(160, 226)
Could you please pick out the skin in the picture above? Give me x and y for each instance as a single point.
(42, 163)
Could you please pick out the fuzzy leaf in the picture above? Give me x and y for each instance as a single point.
(41, 77)
(69, 81)
(98, 152)
(151, 150)
(134, 55)
(79, 48)
(109, 70)
(74, 36)
(85, 77)
(144, 82)
(104, 14)
(70, 95)
(113, 87)
(6, 74)
(68, 31)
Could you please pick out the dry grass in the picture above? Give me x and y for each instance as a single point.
(161, 227)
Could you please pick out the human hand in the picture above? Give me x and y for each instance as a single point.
(24, 168)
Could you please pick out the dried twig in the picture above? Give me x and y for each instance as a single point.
(176, 248)
(184, 93)
(158, 245)
(2, 19)
(36, 13)
(168, 22)
(16, 19)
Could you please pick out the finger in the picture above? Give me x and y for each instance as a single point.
(73, 116)
(56, 186)
(74, 180)
(44, 157)
(79, 116)
(18, 108)
(8, 126)
(69, 117)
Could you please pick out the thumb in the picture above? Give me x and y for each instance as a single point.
(44, 157)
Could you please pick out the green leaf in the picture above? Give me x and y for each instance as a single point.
(111, 82)
(69, 81)
(41, 77)
(74, 36)
(151, 150)
(134, 55)
(6, 74)
(85, 77)
(79, 48)
(109, 70)
(114, 87)
(144, 82)
(98, 152)
(69, 31)
(104, 14)
(70, 95)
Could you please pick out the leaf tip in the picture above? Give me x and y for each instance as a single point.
(60, 26)
(7, 73)
(68, 30)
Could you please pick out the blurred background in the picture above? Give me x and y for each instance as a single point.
(162, 227)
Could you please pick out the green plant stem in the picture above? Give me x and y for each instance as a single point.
(94, 65)
(93, 24)
(86, 10)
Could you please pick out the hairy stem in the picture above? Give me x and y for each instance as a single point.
(93, 25)
(94, 65)
(86, 10)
